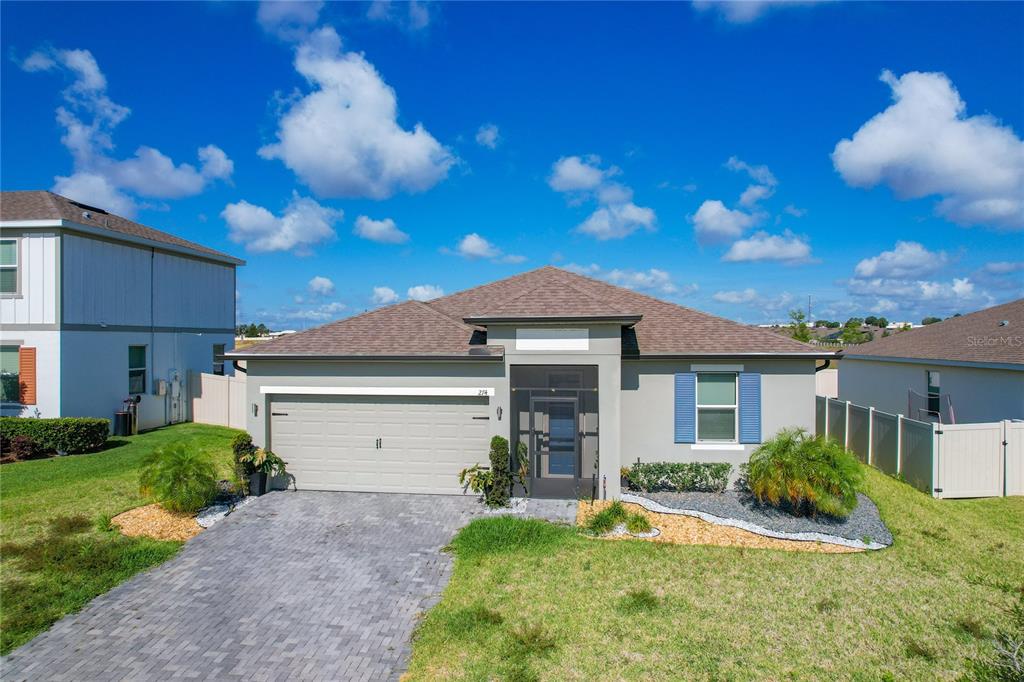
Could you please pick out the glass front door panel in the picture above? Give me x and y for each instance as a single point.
(554, 438)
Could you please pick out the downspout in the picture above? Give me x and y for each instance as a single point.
(238, 368)
(825, 366)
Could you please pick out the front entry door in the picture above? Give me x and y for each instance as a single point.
(554, 446)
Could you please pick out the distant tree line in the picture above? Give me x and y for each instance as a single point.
(251, 330)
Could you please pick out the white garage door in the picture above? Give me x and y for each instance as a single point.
(380, 444)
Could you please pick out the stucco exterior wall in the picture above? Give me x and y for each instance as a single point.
(978, 394)
(48, 379)
(648, 404)
(94, 367)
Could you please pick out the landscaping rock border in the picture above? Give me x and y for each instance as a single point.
(214, 513)
(748, 525)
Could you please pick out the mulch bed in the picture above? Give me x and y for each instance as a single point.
(689, 530)
(153, 521)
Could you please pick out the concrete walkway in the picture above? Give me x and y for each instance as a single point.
(296, 585)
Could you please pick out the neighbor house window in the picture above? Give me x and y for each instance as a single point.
(9, 264)
(136, 369)
(716, 406)
(934, 392)
(10, 386)
(218, 359)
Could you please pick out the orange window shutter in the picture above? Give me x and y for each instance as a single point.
(27, 375)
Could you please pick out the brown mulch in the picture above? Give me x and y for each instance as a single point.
(153, 521)
(689, 530)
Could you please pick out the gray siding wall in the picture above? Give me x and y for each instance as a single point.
(648, 403)
(107, 282)
(978, 395)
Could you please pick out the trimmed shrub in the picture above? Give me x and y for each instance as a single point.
(806, 474)
(181, 480)
(60, 434)
(680, 476)
(500, 490)
(21, 448)
(243, 449)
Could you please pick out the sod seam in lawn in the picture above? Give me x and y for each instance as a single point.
(528, 603)
(54, 555)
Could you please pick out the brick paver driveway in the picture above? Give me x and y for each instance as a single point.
(295, 585)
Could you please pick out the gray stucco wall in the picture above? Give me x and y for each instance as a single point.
(648, 402)
(978, 395)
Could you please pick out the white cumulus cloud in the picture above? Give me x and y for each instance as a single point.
(577, 174)
(89, 118)
(746, 11)
(616, 216)
(289, 20)
(906, 261)
(425, 292)
(924, 145)
(409, 16)
(320, 286)
(488, 136)
(343, 138)
(383, 295)
(473, 246)
(714, 223)
(383, 231)
(652, 280)
(744, 296)
(303, 224)
(761, 246)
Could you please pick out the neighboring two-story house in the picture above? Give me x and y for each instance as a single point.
(96, 308)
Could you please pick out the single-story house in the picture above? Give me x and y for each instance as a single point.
(589, 376)
(967, 369)
(96, 309)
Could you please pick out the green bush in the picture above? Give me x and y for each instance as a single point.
(606, 519)
(680, 476)
(61, 434)
(182, 480)
(637, 524)
(807, 474)
(500, 490)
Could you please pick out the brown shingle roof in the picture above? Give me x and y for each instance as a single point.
(436, 327)
(42, 205)
(977, 337)
(409, 328)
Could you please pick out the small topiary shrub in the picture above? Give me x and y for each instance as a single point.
(679, 476)
(500, 491)
(637, 524)
(61, 434)
(805, 474)
(180, 479)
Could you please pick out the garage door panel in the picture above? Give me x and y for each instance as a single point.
(330, 442)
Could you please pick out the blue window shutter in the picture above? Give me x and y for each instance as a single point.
(686, 407)
(750, 407)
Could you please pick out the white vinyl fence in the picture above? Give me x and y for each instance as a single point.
(944, 460)
(218, 400)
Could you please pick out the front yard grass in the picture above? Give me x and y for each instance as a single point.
(55, 553)
(528, 600)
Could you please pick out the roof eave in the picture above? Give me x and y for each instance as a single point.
(782, 355)
(977, 364)
(355, 357)
(484, 320)
(120, 236)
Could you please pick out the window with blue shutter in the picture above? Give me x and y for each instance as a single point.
(750, 407)
(686, 407)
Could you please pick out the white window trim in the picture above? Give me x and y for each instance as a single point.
(735, 408)
(17, 293)
(443, 391)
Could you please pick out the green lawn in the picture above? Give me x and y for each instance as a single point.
(529, 600)
(54, 555)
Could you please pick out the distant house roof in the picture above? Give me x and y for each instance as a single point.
(43, 205)
(455, 325)
(980, 337)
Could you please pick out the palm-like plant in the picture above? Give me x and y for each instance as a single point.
(812, 474)
(180, 478)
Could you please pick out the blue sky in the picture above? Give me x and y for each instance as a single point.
(734, 158)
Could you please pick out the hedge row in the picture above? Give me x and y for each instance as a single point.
(679, 476)
(62, 434)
